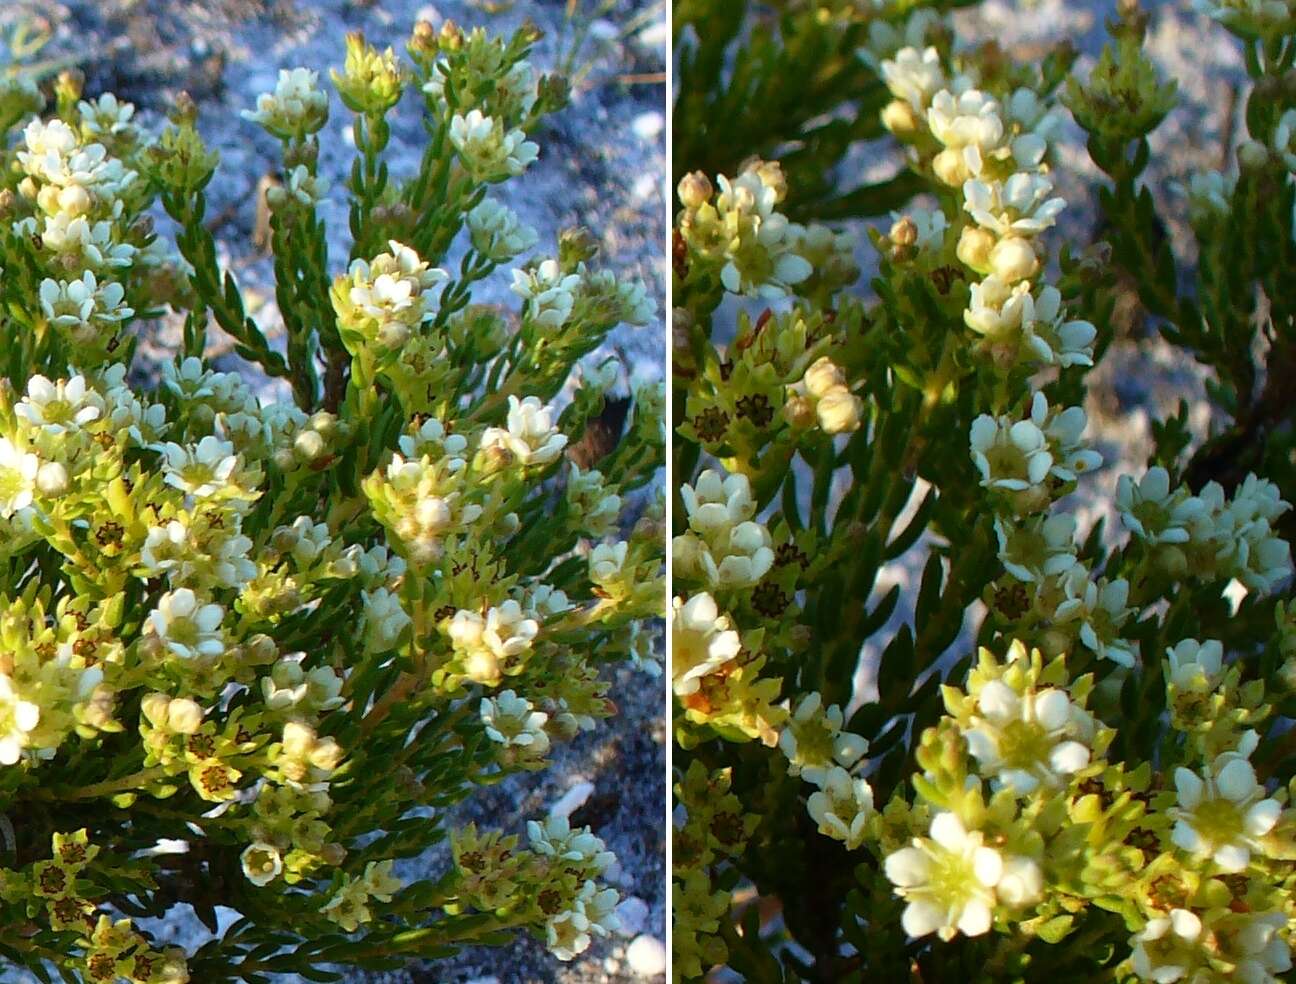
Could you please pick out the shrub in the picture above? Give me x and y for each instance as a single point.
(1068, 754)
(254, 649)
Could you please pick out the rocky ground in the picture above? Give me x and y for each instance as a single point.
(601, 166)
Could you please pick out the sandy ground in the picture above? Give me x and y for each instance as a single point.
(601, 166)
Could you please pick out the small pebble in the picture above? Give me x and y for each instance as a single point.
(647, 126)
(647, 956)
(633, 915)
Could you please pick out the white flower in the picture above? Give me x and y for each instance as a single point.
(187, 628)
(433, 440)
(607, 561)
(948, 881)
(550, 292)
(745, 555)
(814, 742)
(567, 935)
(532, 437)
(1022, 883)
(1152, 512)
(81, 243)
(17, 478)
(1264, 953)
(1038, 547)
(1223, 813)
(555, 838)
(1020, 324)
(842, 807)
(388, 296)
(1053, 339)
(638, 306)
(1028, 117)
(1028, 740)
(1064, 430)
(1011, 456)
(201, 470)
(1168, 947)
(970, 128)
(302, 187)
(761, 255)
(1196, 667)
(262, 863)
(505, 633)
(702, 641)
(717, 502)
(384, 619)
(52, 479)
(83, 307)
(106, 116)
(486, 150)
(510, 721)
(497, 233)
(296, 108)
(1019, 206)
(285, 687)
(57, 408)
(1101, 608)
(600, 908)
(914, 77)
(18, 718)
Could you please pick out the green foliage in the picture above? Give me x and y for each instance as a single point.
(254, 650)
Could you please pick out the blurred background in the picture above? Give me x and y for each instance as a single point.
(602, 165)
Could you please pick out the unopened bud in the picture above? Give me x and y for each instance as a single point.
(899, 117)
(695, 190)
(974, 248)
(904, 232)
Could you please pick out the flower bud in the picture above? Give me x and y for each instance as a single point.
(1014, 259)
(695, 190)
(839, 411)
(154, 707)
(260, 650)
(184, 716)
(309, 445)
(899, 117)
(823, 376)
(904, 232)
(52, 479)
(799, 412)
(974, 247)
(949, 167)
(482, 666)
(771, 176)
